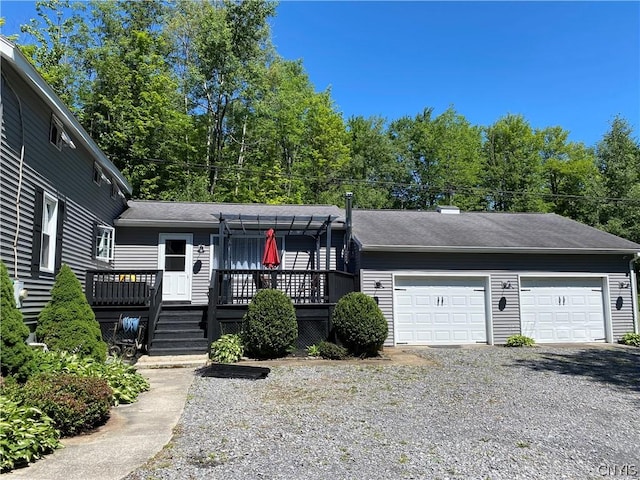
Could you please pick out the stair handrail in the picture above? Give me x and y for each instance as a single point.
(155, 307)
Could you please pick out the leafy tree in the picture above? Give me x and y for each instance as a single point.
(443, 157)
(224, 45)
(59, 34)
(133, 110)
(373, 172)
(15, 355)
(67, 322)
(571, 176)
(513, 174)
(618, 157)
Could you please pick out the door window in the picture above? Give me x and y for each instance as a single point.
(175, 255)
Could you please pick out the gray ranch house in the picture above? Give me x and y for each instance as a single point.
(59, 193)
(186, 271)
(448, 277)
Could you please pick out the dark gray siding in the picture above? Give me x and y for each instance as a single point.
(137, 248)
(504, 269)
(65, 174)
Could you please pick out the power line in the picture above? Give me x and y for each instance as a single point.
(433, 189)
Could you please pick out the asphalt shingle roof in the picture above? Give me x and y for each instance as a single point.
(141, 212)
(389, 229)
(404, 229)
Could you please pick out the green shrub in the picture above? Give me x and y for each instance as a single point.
(26, 434)
(331, 351)
(227, 349)
(270, 328)
(67, 321)
(15, 354)
(123, 379)
(75, 404)
(631, 338)
(520, 341)
(359, 324)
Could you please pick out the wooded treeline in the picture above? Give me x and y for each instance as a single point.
(192, 102)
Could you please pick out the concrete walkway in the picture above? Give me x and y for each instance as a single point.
(133, 434)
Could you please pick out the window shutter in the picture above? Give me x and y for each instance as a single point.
(36, 243)
(62, 215)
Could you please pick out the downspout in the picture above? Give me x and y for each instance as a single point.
(634, 292)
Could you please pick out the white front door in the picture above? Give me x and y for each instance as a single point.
(175, 253)
(559, 310)
(440, 310)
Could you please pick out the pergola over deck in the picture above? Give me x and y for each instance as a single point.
(314, 226)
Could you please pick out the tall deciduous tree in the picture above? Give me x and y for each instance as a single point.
(619, 162)
(133, 110)
(513, 176)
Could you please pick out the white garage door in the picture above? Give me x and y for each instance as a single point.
(562, 310)
(440, 310)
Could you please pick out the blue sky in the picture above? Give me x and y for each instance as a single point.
(572, 64)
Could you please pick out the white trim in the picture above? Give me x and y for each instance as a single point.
(50, 228)
(446, 274)
(634, 294)
(111, 242)
(606, 297)
(188, 237)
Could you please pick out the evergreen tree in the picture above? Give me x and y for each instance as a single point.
(67, 321)
(15, 354)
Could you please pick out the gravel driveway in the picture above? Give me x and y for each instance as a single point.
(484, 412)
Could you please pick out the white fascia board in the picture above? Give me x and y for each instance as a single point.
(26, 70)
(452, 249)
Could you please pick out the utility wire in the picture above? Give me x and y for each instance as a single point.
(433, 189)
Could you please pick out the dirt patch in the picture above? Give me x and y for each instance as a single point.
(389, 356)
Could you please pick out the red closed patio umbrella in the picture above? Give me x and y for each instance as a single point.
(270, 257)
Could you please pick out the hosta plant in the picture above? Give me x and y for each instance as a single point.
(26, 434)
(520, 341)
(631, 338)
(227, 349)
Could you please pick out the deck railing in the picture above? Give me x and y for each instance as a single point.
(237, 287)
(123, 287)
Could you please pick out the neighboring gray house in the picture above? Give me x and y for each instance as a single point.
(460, 278)
(59, 193)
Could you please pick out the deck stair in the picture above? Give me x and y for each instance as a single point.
(180, 330)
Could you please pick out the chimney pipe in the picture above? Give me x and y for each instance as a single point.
(347, 238)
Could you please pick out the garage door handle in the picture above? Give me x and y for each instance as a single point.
(525, 289)
(400, 289)
(478, 289)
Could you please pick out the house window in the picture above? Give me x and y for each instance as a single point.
(97, 174)
(55, 133)
(114, 189)
(246, 252)
(48, 238)
(104, 243)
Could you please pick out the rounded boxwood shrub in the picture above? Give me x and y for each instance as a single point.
(75, 404)
(359, 324)
(331, 351)
(67, 321)
(270, 328)
(16, 356)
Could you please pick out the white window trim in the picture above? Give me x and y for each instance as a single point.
(49, 228)
(109, 238)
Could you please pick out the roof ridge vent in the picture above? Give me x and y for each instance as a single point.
(448, 209)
